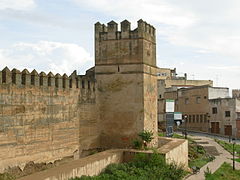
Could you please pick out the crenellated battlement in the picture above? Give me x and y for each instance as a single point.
(110, 31)
(126, 46)
(26, 78)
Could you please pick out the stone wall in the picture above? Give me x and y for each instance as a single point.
(88, 166)
(150, 101)
(45, 117)
(174, 151)
(121, 108)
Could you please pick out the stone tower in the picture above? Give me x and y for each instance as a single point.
(125, 69)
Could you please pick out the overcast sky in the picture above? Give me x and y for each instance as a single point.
(199, 37)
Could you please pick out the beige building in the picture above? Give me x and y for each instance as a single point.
(168, 81)
(225, 116)
(194, 102)
(209, 109)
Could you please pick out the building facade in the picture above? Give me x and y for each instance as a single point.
(168, 84)
(225, 116)
(194, 102)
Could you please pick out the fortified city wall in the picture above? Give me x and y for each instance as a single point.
(44, 117)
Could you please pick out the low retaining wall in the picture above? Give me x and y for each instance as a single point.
(175, 151)
(91, 165)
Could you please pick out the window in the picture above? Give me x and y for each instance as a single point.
(189, 118)
(227, 113)
(198, 100)
(186, 101)
(205, 118)
(193, 118)
(201, 118)
(214, 110)
(238, 115)
(197, 118)
(83, 84)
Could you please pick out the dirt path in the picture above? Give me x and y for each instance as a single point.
(213, 148)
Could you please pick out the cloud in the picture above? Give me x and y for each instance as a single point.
(211, 26)
(225, 68)
(47, 56)
(150, 10)
(17, 4)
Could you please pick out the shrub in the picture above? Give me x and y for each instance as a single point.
(143, 167)
(137, 144)
(146, 136)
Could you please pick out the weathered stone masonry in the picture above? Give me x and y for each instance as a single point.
(44, 117)
(125, 69)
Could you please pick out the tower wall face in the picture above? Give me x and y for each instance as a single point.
(125, 46)
(126, 77)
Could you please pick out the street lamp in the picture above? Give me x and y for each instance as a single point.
(233, 143)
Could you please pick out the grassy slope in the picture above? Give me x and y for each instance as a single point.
(228, 146)
(197, 155)
(223, 173)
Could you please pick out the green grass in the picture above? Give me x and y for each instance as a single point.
(143, 167)
(200, 161)
(161, 134)
(197, 156)
(223, 173)
(228, 146)
(236, 159)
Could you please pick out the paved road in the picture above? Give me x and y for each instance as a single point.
(221, 156)
(210, 136)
